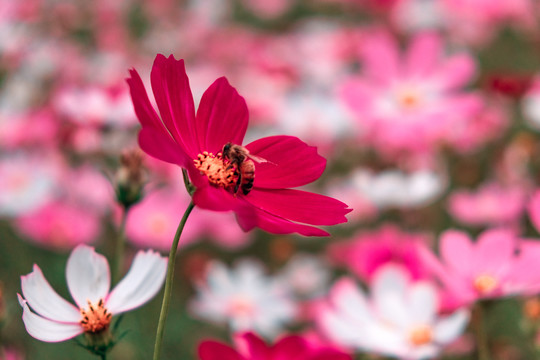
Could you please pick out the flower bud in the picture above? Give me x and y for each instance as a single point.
(130, 178)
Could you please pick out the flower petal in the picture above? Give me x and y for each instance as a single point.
(423, 54)
(249, 217)
(88, 276)
(213, 350)
(291, 162)
(299, 206)
(48, 330)
(212, 198)
(450, 327)
(457, 251)
(457, 71)
(494, 251)
(161, 146)
(222, 117)
(170, 85)
(423, 302)
(142, 282)
(380, 56)
(389, 286)
(143, 109)
(290, 347)
(44, 300)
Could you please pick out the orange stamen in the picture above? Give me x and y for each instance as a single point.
(485, 284)
(421, 335)
(96, 318)
(216, 169)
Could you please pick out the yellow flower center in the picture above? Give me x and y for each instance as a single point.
(485, 284)
(216, 169)
(95, 318)
(421, 335)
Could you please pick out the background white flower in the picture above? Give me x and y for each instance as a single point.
(400, 319)
(245, 298)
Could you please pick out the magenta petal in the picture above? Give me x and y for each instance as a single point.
(249, 217)
(143, 109)
(212, 350)
(253, 347)
(213, 198)
(291, 162)
(291, 347)
(300, 206)
(222, 117)
(161, 146)
(170, 85)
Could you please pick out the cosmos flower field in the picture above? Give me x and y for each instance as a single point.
(270, 179)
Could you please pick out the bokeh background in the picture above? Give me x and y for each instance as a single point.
(66, 117)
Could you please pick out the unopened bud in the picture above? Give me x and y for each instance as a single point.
(130, 178)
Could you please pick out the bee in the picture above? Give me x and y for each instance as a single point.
(240, 158)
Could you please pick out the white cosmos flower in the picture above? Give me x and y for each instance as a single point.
(245, 298)
(400, 319)
(394, 188)
(48, 317)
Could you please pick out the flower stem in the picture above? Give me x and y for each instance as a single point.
(168, 283)
(120, 246)
(482, 347)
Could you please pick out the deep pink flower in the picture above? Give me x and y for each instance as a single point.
(195, 141)
(369, 251)
(251, 347)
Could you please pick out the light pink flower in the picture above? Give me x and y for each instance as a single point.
(410, 101)
(59, 225)
(496, 265)
(485, 205)
(399, 318)
(154, 220)
(50, 318)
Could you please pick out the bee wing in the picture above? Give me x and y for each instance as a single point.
(257, 159)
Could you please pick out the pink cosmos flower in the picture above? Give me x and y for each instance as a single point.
(50, 318)
(251, 347)
(399, 318)
(483, 206)
(153, 222)
(369, 251)
(195, 142)
(496, 265)
(59, 225)
(410, 102)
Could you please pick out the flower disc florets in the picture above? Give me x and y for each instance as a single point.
(216, 169)
(95, 319)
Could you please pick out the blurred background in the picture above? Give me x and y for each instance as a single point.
(428, 112)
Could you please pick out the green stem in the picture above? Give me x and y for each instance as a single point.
(169, 283)
(120, 246)
(482, 347)
(103, 356)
